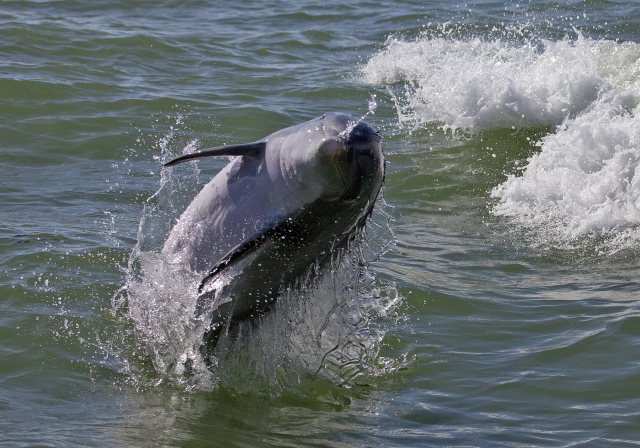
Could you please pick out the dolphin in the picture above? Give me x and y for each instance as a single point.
(277, 212)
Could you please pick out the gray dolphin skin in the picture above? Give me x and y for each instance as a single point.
(277, 212)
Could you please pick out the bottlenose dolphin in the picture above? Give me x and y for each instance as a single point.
(277, 212)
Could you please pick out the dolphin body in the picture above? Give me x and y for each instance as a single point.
(278, 210)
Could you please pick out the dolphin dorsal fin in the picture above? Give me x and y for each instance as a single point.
(247, 149)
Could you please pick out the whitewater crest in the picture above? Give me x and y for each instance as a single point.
(475, 85)
(584, 179)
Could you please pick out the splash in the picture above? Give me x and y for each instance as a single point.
(372, 106)
(586, 92)
(321, 329)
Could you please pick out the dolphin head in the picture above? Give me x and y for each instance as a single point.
(332, 157)
(364, 161)
(336, 155)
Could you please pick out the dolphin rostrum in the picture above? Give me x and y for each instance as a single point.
(284, 205)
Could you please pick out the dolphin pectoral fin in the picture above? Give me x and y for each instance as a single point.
(220, 323)
(247, 247)
(247, 149)
(239, 252)
(221, 314)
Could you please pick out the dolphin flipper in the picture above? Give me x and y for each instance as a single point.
(221, 315)
(247, 149)
(278, 230)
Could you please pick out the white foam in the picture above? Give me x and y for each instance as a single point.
(476, 85)
(584, 179)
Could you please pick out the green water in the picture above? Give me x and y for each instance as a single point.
(499, 330)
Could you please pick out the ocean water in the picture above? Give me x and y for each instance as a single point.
(499, 304)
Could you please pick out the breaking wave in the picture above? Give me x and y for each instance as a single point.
(585, 178)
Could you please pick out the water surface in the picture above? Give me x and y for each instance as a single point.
(505, 312)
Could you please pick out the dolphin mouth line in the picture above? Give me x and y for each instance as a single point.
(335, 163)
(343, 136)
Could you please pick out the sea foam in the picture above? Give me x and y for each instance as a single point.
(584, 180)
